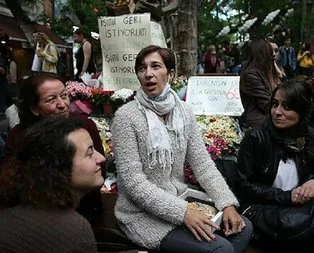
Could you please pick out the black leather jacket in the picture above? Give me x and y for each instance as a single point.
(257, 167)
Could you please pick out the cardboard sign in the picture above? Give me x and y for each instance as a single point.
(211, 95)
(122, 37)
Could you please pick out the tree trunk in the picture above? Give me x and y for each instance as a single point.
(184, 37)
(22, 19)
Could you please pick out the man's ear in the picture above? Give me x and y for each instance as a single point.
(34, 110)
(171, 75)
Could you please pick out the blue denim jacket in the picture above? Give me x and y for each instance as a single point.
(282, 58)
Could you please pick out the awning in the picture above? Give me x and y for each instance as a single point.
(9, 26)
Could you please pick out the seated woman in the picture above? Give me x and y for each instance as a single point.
(57, 166)
(41, 96)
(153, 136)
(275, 171)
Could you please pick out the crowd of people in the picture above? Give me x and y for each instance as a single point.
(52, 166)
(231, 58)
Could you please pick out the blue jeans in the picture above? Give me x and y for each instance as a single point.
(181, 240)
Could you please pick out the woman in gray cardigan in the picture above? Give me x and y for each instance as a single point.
(153, 136)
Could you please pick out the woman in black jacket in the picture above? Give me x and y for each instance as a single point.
(275, 170)
(257, 81)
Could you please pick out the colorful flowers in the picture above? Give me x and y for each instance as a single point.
(177, 83)
(123, 94)
(221, 135)
(78, 91)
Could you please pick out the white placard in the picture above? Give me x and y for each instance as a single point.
(122, 37)
(212, 95)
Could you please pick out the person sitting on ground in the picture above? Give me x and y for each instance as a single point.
(55, 167)
(42, 95)
(152, 137)
(275, 171)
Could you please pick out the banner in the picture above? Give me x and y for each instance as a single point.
(211, 95)
(122, 37)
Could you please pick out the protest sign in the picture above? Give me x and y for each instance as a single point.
(122, 37)
(211, 95)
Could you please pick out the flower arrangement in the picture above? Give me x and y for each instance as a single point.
(100, 96)
(221, 135)
(123, 94)
(78, 91)
(105, 134)
(178, 83)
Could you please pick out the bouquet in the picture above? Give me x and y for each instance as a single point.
(221, 135)
(80, 96)
(78, 91)
(178, 83)
(124, 95)
(100, 96)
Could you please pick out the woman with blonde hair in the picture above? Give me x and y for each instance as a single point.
(47, 53)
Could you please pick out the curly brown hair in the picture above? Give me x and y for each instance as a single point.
(41, 173)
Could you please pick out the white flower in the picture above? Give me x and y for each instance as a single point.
(224, 31)
(94, 35)
(247, 25)
(123, 94)
(270, 17)
(224, 127)
(289, 13)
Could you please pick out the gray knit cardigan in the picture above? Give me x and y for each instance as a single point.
(147, 207)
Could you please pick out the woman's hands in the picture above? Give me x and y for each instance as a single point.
(233, 223)
(200, 224)
(40, 52)
(304, 193)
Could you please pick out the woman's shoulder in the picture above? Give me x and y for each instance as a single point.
(188, 109)
(17, 131)
(251, 71)
(259, 135)
(128, 110)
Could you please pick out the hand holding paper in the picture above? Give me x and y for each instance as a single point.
(200, 223)
(233, 222)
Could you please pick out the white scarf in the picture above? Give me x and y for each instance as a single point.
(158, 141)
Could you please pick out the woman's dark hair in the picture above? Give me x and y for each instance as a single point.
(41, 172)
(166, 54)
(28, 96)
(260, 56)
(307, 47)
(80, 32)
(298, 95)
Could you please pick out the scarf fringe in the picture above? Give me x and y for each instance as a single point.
(161, 157)
(159, 144)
